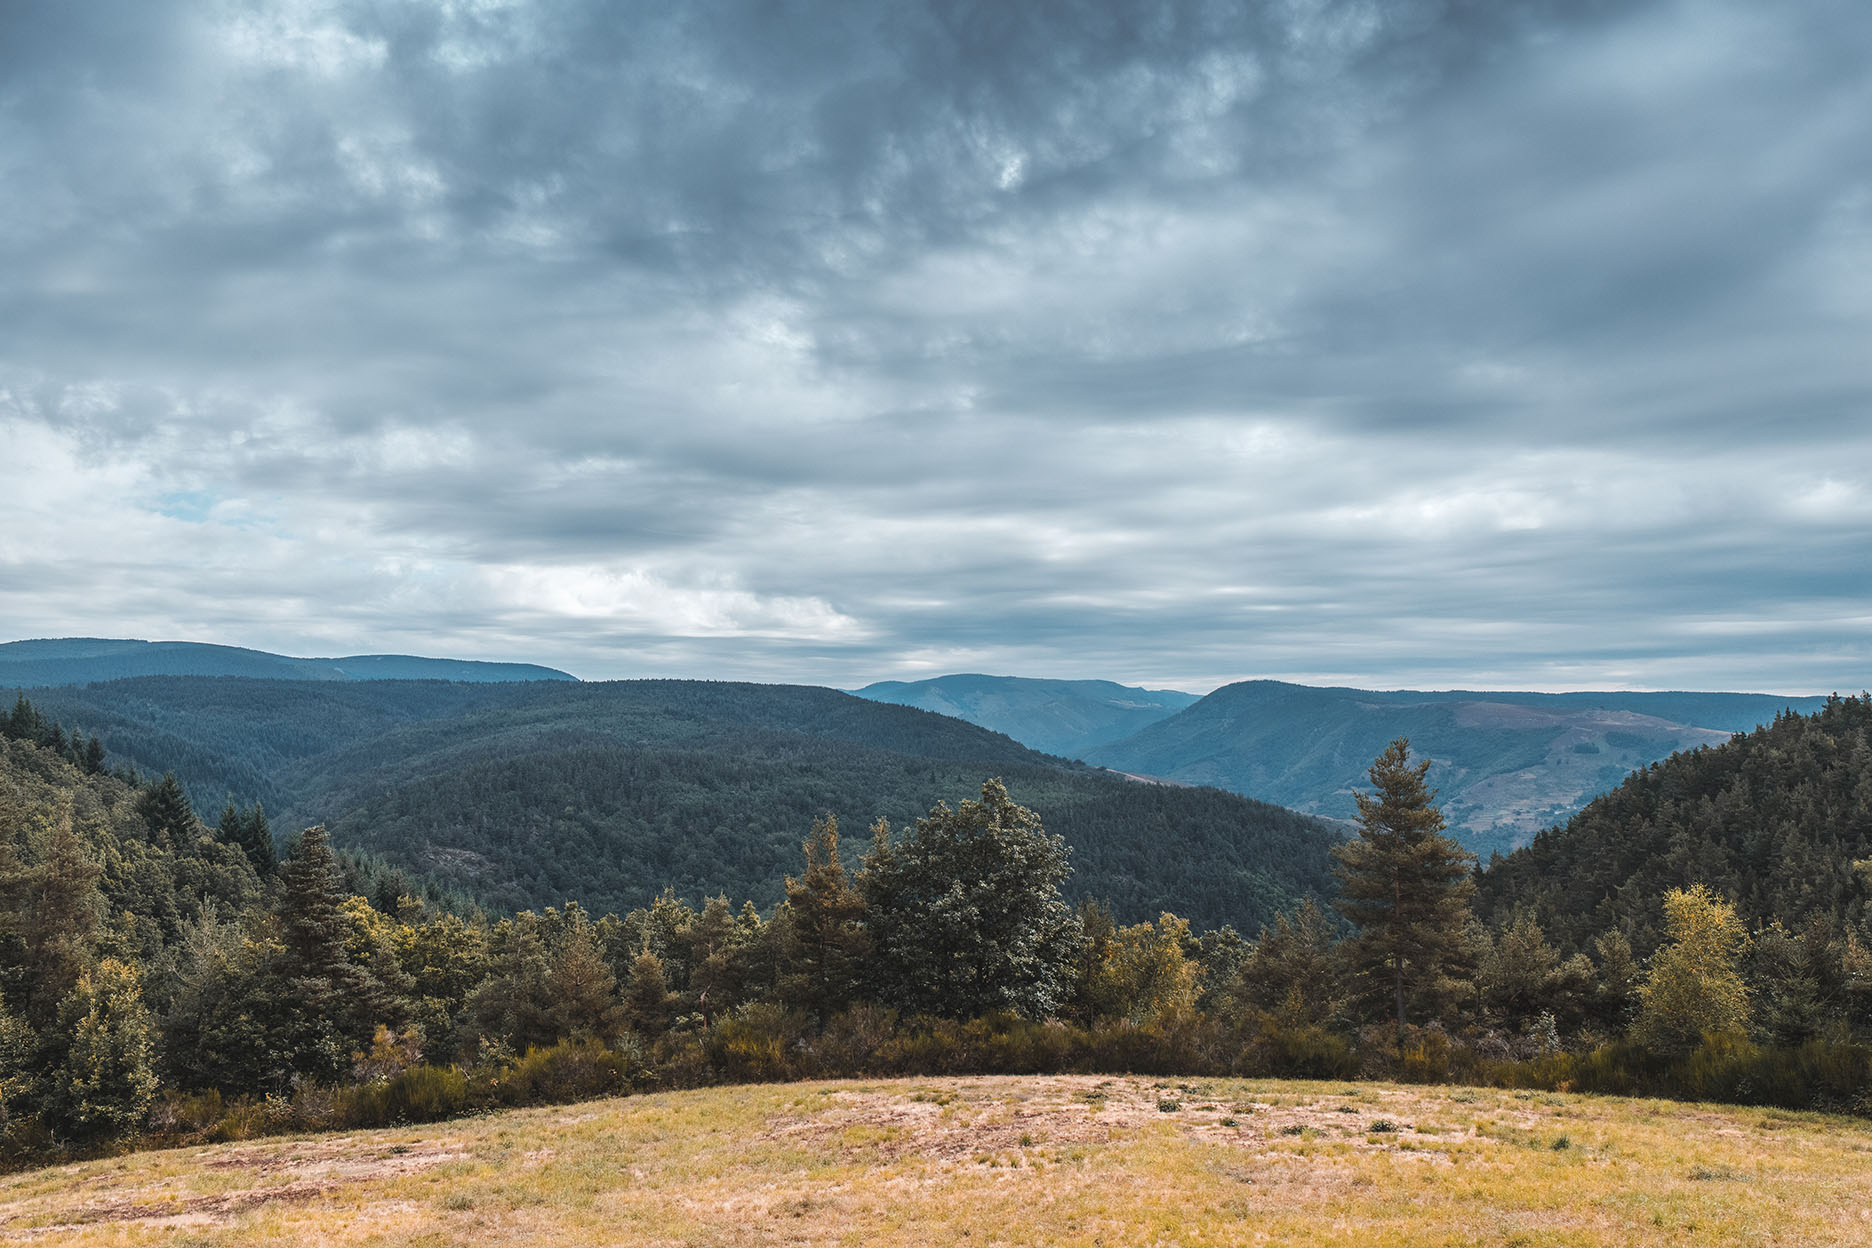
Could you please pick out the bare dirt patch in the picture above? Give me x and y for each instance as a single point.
(983, 1120)
(288, 1171)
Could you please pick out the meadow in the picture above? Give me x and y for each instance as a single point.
(1068, 1160)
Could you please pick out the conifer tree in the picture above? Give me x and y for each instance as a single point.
(647, 998)
(62, 920)
(18, 1046)
(325, 992)
(517, 1003)
(716, 962)
(826, 938)
(249, 829)
(165, 809)
(584, 991)
(1296, 969)
(23, 722)
(1406, 886)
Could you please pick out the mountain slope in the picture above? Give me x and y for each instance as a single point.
(1506, 764)
(526, 794)
(1064, 717)
(1775, 819)
(81, 660)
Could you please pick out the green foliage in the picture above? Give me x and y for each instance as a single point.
(1296, 969)
(821, 928)
(1406, 887)
(166, 809)
(1140, 974)
(103, 1086)
(966, 914)
(1774, 820)
(249, 830)
(522, 796)
(1693, 988)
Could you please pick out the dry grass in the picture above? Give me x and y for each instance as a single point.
(1001, 1161)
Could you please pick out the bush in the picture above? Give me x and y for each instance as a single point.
(756, 1043)
(1297, 1051)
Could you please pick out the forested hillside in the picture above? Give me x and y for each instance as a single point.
(529, 794)
(1506, 764)
(1779, 819)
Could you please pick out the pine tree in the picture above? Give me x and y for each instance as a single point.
(23, 722)
(166, 811)
(716, 959)
(1406, 886)
(249, 829)
(826, 938)
(647, 998)
(18, 1046)
(62, 918)
(1295, 969)
(584, 991)
(326, 992)
(518, 1004)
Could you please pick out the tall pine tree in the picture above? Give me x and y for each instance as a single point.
(326, 991)
(1407, 887)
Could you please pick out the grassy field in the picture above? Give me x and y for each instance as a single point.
(1042, 1160)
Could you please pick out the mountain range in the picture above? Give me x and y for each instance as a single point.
(1507, 764)
(1065, 717)
(80, 660)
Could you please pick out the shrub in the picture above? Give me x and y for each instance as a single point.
(1297, 1051)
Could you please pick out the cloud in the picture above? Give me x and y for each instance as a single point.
(1393, 343)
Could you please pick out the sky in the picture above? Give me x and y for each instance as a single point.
(1414, 343)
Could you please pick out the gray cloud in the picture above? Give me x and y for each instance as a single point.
(1401, 343)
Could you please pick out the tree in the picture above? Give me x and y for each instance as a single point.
(1146, 977)
(965, 914)
(249, 829)
(165, 809)
(826, 941)
(1406, 886)
(647, 997)
(105, 1085)
(326, 991)
(1693, 987)
(1295, 969)
(517, 1004)
(584, 989)
(61, 918)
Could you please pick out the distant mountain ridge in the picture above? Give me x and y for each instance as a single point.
(1507, 764)
(45, 662)
(1063, 717)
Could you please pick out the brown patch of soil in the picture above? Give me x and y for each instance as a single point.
(961, 1120)
(290, 1171)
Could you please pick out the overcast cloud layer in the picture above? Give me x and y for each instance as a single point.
(1395, 343)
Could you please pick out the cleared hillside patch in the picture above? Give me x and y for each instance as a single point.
(1077, 1160)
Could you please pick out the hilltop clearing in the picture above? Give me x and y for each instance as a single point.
(1076, 1160)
